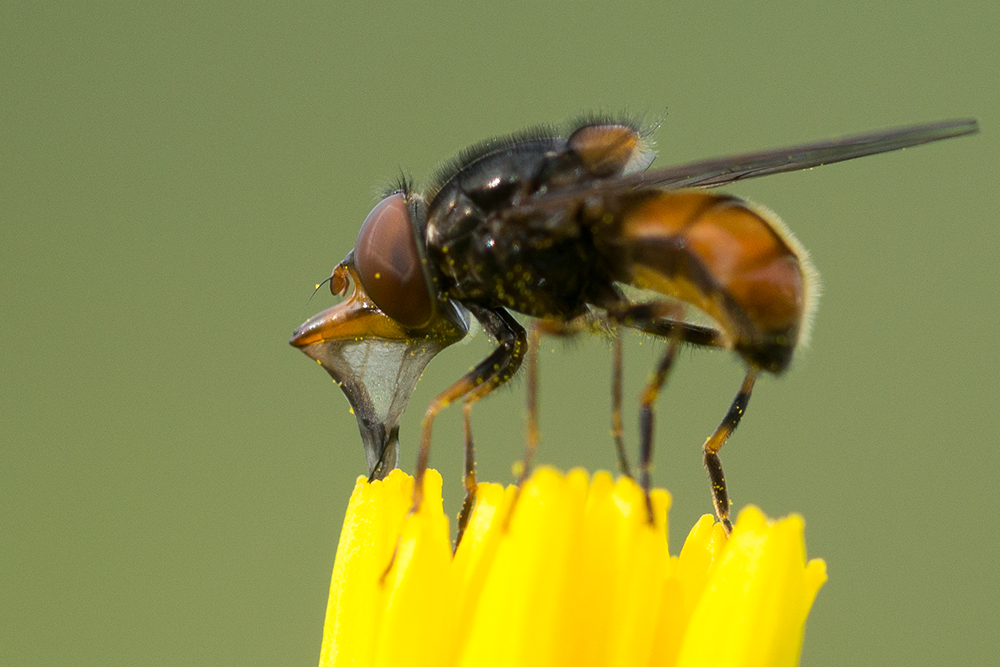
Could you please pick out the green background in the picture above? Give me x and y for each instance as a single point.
(175, 179)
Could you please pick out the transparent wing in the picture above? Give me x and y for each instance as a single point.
(719, 171)
(729, 169)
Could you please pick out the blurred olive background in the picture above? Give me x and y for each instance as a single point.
(176, 178)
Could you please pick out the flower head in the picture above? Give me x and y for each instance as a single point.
(575, 575)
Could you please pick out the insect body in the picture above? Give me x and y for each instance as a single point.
(553, 225)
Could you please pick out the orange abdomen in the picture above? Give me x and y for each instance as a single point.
(736, 262)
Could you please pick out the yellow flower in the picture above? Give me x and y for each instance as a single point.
(576, 576)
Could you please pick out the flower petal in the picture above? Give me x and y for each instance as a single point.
(754, 606)
(475, 555)
(516, 618)
(577, 576)
(418, 586)
(354, 610)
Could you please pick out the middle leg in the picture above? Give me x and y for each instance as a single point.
(593, 324)
(665, 319)
(649, 395)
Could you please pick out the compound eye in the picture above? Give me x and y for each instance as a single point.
(389, 264)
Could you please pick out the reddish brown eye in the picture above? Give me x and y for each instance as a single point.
(389, 265)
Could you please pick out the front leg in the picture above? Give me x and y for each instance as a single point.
(493, 371)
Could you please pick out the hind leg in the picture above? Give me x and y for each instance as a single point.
(720, 495)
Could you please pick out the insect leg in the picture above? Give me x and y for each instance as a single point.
(531, 435)
(560, 329)
(469, 480)
(616, 407)
(663, 319)
(660, 318)
(720, 496)
(597, 324)
(489, 374)
(649, 395)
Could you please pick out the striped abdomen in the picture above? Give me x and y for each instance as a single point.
(735, 261)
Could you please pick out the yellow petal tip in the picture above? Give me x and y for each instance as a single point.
(577, 575)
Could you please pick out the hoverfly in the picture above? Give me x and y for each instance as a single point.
(552, 225)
